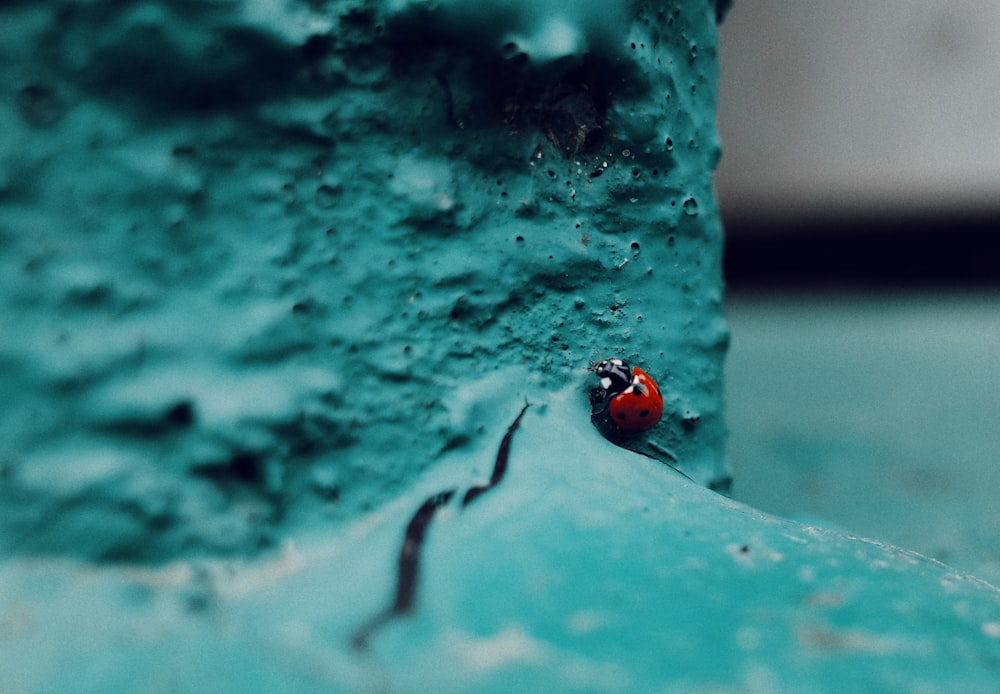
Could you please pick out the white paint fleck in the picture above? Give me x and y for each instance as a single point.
(512, 645)
(824, 598)
(948, 585)
(740, 553)
(758, 678)
(254, 577)
(552, 39)
(991, 629)
(585, 621)
(807, 574)
(428, 184)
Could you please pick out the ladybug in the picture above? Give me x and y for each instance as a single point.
(631, 396)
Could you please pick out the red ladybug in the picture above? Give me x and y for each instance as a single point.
(631, 396)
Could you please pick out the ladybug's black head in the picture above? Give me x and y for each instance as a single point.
(615, 375)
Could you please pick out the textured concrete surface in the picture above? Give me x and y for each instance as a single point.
(586, 570)
(260, 259)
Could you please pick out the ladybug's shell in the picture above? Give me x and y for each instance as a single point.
(638, 407)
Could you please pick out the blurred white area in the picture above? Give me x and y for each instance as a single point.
(859, 106)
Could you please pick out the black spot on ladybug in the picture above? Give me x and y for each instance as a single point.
(621, 415)
(644, 413)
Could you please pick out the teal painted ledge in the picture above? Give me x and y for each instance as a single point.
(587, 569)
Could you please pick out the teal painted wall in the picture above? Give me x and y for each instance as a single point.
(271, 262)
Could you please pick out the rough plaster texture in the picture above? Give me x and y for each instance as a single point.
(260, 258)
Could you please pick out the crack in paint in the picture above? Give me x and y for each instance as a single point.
(409, 568)
(413, 540)
(500, 467)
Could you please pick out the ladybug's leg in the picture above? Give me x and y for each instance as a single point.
(599, 399)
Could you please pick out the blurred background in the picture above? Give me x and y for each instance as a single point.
(860, 188)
